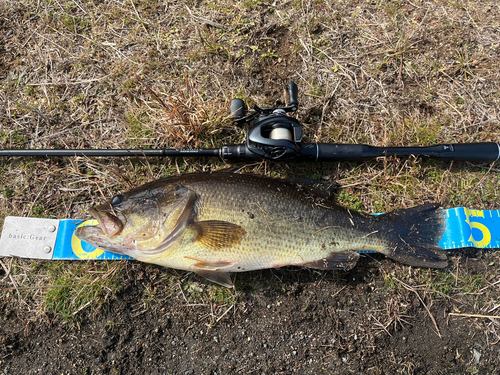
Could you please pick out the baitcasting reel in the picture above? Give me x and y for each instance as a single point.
(272, 134)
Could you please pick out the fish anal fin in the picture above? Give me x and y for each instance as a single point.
(217, 235)
(206, 265)
(345, 260)
(221, 278)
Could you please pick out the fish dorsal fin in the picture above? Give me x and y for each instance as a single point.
(318, 188)
(221, 278)
(345, 260)
(217, 235)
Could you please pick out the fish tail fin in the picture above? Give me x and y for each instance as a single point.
(415, 234)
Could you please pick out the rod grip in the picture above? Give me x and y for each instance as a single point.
(330, 152)
(484, 151)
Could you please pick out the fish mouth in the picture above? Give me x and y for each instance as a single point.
(109, 224)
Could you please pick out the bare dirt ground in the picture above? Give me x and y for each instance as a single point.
(160, 74)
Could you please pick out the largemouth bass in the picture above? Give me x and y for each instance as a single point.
(218, 223)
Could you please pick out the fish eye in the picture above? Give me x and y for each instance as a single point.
(116, 200)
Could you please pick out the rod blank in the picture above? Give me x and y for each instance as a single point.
(105, 152)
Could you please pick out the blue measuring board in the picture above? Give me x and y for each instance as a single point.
(465, 227)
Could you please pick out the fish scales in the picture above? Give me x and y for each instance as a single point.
(283, 224)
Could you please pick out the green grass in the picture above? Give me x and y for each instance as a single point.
(73, 289)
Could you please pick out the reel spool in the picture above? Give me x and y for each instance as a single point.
(280, 133)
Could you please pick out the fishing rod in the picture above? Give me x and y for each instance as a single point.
(273, 135)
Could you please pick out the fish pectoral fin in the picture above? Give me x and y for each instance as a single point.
(221, 278)
(345, 260)
(217, 235)
(204, 265)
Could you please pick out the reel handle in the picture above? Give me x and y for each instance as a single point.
(237, 108)
(293, 94)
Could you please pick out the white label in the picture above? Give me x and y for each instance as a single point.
(28, 237)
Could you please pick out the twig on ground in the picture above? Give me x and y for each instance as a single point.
(476, 315)
(408, 287)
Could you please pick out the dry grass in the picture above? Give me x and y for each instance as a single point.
(186, 117)
(124, 73)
